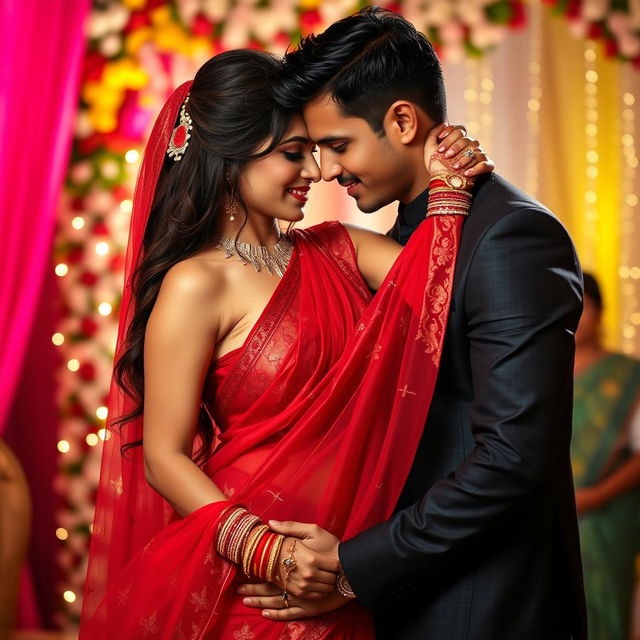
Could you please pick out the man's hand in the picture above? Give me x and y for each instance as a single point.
(316, 557)
(269, 598)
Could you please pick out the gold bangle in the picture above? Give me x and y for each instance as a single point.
(343, 586)
(273, 558)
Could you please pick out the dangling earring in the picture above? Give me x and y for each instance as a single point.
(231, 208)
(231, 205)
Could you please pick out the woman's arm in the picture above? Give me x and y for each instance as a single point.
(179, 342)
(376, 252)
(624, 479)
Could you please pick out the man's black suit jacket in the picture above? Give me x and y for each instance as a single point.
(484, 542)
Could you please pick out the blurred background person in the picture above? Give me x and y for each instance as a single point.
(605, 453)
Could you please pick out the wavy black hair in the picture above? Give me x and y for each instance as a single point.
(233, 114)
(366, 62)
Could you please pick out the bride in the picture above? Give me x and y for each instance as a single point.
(256, 376)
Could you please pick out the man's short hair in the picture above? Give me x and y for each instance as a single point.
(366, 62)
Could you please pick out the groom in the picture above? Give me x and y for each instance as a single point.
(483, 544)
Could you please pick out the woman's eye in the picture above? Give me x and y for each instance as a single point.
(293, 156)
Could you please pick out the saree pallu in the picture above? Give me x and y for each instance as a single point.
(319, 415)
(605, 396)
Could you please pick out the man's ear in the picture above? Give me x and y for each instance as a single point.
(401, 122)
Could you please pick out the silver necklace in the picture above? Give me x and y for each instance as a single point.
(259, 257)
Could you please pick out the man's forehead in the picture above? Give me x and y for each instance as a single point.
(326, 122)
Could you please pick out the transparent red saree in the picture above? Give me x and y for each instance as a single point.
(319, 416)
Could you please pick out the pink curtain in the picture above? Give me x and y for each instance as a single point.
(41, 47)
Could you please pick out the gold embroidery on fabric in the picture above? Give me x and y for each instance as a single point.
(123, 596)
(148, 625)
(405, 391)
(199, 600)
(117, 487)
(307, 630)
(275, 495)
(433, 317)
(244, 633)
(228, 491)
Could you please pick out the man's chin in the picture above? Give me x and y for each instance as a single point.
(368, 206)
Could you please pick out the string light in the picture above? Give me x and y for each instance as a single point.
(591, 156)
(485, 98)
(534, 102)
(472, 83)
(92, 439)
(103, 434)
(63, 446)
(102, 413)
(77, 222)
(62, 533)
(57, 339)
(132, 156)
(629, 272)
(104, 308)
(61, 269)
(102, 248)
(73, 364)
(69, 596)
(126, 206)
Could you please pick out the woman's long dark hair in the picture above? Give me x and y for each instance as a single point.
(233, 115)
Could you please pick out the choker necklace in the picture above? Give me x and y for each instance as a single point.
(274, 261)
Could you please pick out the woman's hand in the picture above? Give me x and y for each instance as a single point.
(269, 598)
(449, 148)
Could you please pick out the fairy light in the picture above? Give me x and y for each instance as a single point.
(57, 339)
(102, 248)
(485, 98)
(104, 308)
(132, 156)
(69, 596)
(126, 206)
(534, 102)
(62, 533)
(73, 364)
(77, 222)
(64, 446)
(102, 413)
(103, 434)
(92, 439)
(472, 83)
(629, 272)
(61, 269)
(590, 205)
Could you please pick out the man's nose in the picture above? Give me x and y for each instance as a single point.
(329, 168)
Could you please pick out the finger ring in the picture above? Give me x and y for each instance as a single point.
(470, 153)
(285, 599)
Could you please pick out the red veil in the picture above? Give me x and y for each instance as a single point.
(329, 440)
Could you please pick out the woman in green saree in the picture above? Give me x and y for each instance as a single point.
(605, 454)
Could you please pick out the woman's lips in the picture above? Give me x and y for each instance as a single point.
(299, 193)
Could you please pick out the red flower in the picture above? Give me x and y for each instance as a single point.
(137, 20)
(309, 20)
(89, 278)
(610, 48)
(87, 371)
(77, 204)
(574, 9)
(75, 255)
(595, 31)
(518, 15)
(93, 66)
(121, 192)
(201, 26)
(76, 409)
(100, 229)
(116, 263)
(88, 326)
(395, 7)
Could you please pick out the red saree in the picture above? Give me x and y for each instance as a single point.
(319, 415)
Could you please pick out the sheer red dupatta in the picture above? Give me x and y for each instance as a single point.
(128, 511)
(328, 438)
